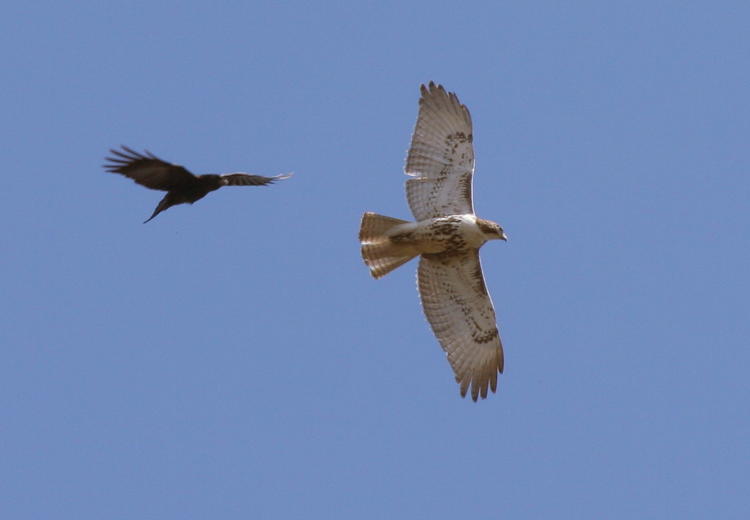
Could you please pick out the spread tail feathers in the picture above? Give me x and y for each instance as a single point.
(380, 254)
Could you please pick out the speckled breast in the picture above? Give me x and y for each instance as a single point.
(452, 234)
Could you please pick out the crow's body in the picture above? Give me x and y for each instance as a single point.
(181, 185)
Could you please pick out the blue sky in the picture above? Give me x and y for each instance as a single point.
(234, 359)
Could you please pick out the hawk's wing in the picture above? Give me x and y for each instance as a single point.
(246, 179)
(459, 308)
(441, 156)
(148, 170)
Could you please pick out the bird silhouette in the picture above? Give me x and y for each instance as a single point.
(181, 186)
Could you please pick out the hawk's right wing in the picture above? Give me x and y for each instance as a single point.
(459, 309)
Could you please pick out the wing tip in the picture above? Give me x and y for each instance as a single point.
(430, 87)
(123, 156)
(483, 379)
(440, 96)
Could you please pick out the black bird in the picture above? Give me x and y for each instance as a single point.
(181, 185)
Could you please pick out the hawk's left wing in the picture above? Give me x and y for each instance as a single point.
(459, 308)
(441, 156)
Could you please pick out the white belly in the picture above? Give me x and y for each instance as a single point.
(438, 235)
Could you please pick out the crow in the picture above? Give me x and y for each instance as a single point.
(181, 185)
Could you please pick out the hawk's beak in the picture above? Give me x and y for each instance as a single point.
(504, 237)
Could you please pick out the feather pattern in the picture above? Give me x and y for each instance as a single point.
(459, 309)
(441, 156)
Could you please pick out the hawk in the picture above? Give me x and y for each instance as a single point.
(447, 236)
(181, 185)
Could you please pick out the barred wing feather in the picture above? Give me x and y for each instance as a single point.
(459, 309)
(441, 156)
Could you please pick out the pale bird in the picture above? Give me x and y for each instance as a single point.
(447, 236)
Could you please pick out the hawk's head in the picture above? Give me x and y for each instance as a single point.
(491, 230)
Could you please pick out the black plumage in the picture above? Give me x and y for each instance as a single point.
(181, 186)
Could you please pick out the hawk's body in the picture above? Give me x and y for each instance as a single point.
(181, 185)
(447, 235)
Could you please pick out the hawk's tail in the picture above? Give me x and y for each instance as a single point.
(378, 251)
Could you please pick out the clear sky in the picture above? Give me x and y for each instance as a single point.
(234, 359)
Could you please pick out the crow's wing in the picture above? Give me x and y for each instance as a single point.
(148, 170)
(246, 179)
